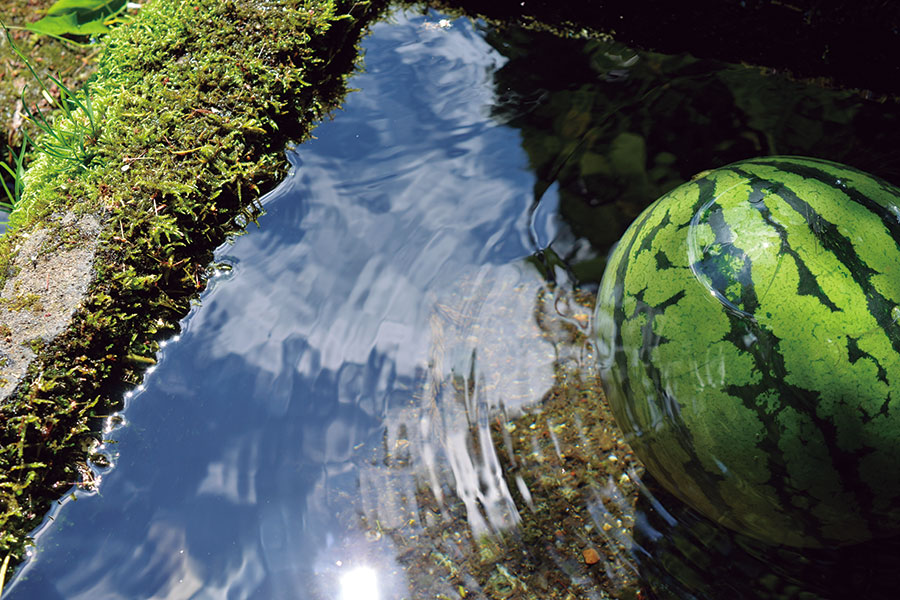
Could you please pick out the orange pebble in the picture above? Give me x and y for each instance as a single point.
(590, 556)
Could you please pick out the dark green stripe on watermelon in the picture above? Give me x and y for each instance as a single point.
(748, 337)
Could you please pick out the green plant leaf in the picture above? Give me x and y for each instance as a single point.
(64, 6)
(78, 17)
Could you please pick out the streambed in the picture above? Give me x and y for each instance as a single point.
(338, 413)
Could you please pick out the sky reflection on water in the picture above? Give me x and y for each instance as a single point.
(285, 374)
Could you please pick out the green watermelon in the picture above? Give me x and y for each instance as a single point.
(748, 332)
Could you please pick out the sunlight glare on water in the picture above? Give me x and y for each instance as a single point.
(360, 584)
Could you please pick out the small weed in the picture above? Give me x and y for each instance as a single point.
(3, 571)
(15, 194)
(73, 135)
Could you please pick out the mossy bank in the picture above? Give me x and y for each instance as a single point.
(194, 103)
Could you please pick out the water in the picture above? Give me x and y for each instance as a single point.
(397, 358)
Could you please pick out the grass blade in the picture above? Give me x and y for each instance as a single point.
(3, 572)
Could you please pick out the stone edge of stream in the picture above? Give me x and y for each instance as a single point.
(108, 252)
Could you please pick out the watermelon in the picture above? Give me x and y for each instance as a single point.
(748, 333)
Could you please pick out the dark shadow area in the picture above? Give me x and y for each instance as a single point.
(612, 128)
(847, 44)
(685, 555)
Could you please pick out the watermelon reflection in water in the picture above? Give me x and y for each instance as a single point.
(748, 337)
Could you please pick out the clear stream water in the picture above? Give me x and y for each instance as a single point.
(412, 235)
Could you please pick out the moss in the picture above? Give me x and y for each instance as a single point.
(196, 102)
(21, 302)
(36, 344)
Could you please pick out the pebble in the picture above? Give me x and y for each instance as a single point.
(590, 556)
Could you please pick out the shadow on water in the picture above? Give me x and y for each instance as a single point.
(389, 390)
(609, 129)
